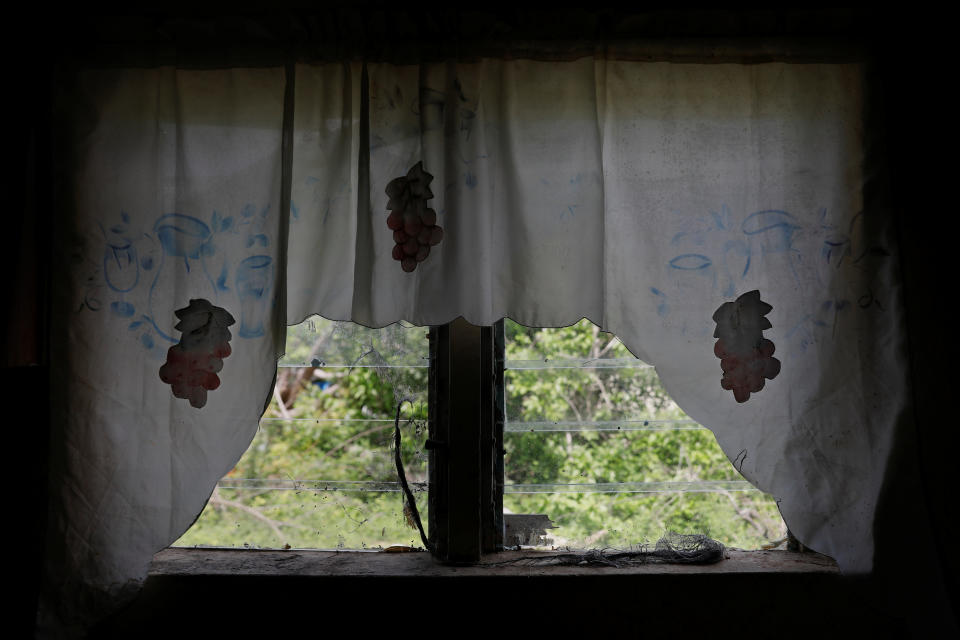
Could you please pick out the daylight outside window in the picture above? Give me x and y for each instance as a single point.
(595, 443)
(592, 442)
(320, 472)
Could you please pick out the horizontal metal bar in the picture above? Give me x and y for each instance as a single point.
(578, 363)
(315, 486)
(611, 425)
(244, 546)
(323, 365)
(531, 427)
(566, 363)
(403, 419)
(358, 486)
(701, 486)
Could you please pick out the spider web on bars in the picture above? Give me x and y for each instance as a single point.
(320, 472)
(396, 354)
(671, 548)
(341, 490)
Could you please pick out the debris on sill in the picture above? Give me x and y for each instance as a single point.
(399, 548)
(526, 529)
(673, 548)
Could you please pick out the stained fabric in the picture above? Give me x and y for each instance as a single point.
(173, 196)
(641, 195)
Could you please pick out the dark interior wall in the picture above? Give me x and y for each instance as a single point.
(24, 378)
(671, 606)
(915, 588)
(914, 139)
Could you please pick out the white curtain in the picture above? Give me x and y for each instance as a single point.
(173, 192)
(640, 195)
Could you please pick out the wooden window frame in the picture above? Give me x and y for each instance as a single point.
(466, 416)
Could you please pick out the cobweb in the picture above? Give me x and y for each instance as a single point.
(343, 385)
(321, 472)
(392, 352)
(672, 548)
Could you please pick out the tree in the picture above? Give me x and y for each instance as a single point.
(333, 424)
(305, 480)
(677, 452)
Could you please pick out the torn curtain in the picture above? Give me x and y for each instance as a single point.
(641, 195)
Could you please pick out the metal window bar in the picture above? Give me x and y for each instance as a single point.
(528, 427)
(577, 363)
(315, 486)
(698, 486)
(370, 486)
(323, 365)
(509, 365)
(604, 425)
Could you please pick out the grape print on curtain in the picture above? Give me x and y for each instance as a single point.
(414, 225)
(192, 364)
(746, 357)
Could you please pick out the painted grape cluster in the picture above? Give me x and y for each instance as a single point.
(414, 225)
(746, 357)
(192, 364)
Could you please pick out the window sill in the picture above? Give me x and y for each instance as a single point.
(237, 592)
(181, 562)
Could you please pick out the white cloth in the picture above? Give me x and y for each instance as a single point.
(176, 183)
(639, 195)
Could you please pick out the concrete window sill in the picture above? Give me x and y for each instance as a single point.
(238, 593)
(180, 561)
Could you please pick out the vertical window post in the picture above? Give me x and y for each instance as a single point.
(466, 441)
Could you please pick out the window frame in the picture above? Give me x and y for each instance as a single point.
(466, 418)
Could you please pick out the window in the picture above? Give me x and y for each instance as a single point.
(591, 442)
(594, 442)
(320, 473)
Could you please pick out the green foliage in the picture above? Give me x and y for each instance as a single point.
(340, 428)
(679, 452)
